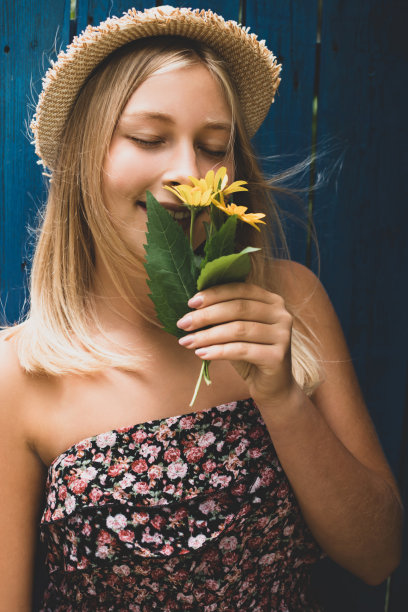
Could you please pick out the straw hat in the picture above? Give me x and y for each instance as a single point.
(252, 66)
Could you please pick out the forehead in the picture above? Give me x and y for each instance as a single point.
(189, 92)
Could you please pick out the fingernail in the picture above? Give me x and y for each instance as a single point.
(186, 340)
(185, 322)
(195, 301)
(202, 352)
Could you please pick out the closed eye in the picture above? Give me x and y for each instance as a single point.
(148, 144)
(214, 153)
(151, 143)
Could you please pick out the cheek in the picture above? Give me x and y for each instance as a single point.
(116, 174)
(126, 174)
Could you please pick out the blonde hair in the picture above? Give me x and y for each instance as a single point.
(58, 335)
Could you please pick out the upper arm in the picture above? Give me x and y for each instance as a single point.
(338, 398)
(21, 486)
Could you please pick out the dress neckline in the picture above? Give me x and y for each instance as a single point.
(126, 428)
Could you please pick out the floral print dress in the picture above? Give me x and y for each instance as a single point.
(192, 512)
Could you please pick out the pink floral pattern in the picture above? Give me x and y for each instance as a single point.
(192, 512)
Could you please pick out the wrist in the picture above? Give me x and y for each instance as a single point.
(284, 411)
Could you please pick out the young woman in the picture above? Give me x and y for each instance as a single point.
(143, 503)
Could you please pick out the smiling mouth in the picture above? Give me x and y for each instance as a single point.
(179, 215)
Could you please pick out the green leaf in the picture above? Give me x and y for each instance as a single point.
(222, 241)
(227, 269)
(217, 216)
(198, 262)
(207, 227)
(170, 266)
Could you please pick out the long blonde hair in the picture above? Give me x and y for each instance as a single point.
(57, 336)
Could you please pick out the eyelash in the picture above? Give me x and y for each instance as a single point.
(150, 144)
(216, 154)
(146, 143)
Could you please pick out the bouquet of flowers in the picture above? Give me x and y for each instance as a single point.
(175, 272)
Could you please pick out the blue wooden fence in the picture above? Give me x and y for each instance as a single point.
(344, 79)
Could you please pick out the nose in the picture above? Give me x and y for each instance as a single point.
(183, 163)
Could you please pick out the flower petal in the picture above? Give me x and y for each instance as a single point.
(172, 190)
(224, 182)
(219, 178)
(196, 196)
(236, 186)
(203, 185)
(206, 197)
(209, 179)
(178, 192)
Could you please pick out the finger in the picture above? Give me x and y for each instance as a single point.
(226, 292)
(235, 310)
(261, 355)
(237, 331)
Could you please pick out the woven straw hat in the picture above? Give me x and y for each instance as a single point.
(252, 67)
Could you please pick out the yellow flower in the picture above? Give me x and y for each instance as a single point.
(218, 182)
(194, 196)
(202, 192)
(240, 212)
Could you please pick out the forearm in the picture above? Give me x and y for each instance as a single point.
(353, 512)
(328, 449)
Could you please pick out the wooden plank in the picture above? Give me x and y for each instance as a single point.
(92, 12)
(362, 246)
(29, 35)
(229, 9)
(289, 29)
(28, 32)
(364, 253)
(95, 11)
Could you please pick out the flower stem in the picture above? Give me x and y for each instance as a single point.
(207, 378)
(211, 221)
(204, 373)
(192, 217)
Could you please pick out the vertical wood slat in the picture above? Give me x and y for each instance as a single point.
(363, 247)
(27, 36)
(359, 219)
(289, 29)
(92, 12)
(360, 223)
(229, 9)
(95, 11)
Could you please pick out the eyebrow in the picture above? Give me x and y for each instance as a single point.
(213, 125)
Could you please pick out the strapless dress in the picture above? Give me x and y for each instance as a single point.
(192, 512)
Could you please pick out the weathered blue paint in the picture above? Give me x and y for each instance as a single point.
(289, 29)
(29, 32)
(361, 218)
(92, 12)
(229, 9)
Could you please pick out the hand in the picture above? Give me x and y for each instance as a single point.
(251, 328)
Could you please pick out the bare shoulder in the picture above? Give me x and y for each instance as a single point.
(12, 378)
(306, 298)
(17, 392)
(299, 286)
(21, 485)
(15, 398)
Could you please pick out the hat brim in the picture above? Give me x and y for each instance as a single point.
(252, 67)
